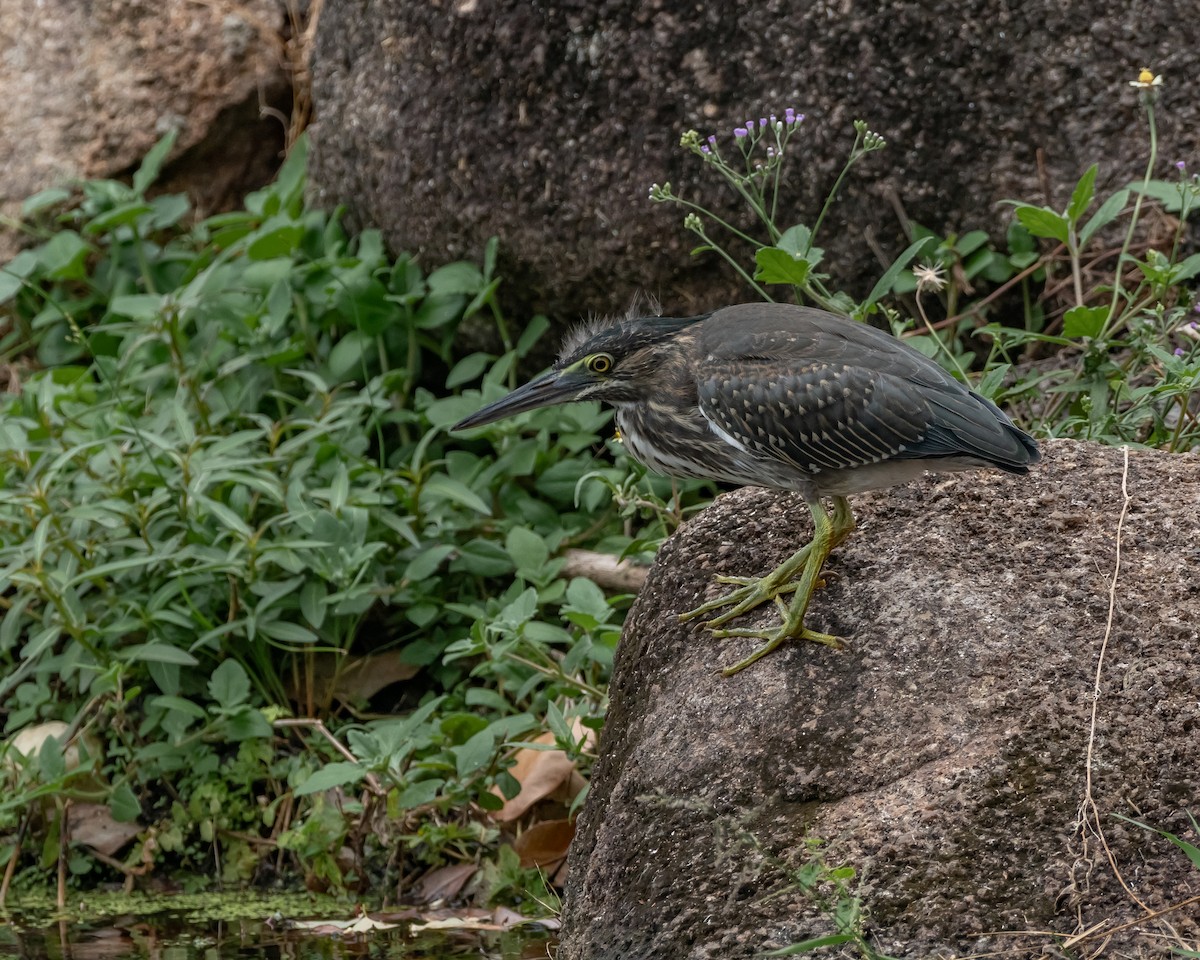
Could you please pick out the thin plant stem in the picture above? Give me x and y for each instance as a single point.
(856, 153)
(1106, 329)
(736, 266)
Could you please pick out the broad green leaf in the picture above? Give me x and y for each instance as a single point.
(157, 652)
(289, 181)
(796, 239)
(346, 359)
(312, 602)
(43, 199)
(885, 283)
(153, 162)
(286, 632)
(779, 266)
(63, 255)
(1081, 196)
(13, 274)
(51, 763)
(1108, 212)
(123, 804)
(441, 486)
(330, 777)
(178, 705)
(275, 242)
(527, 548)
(246, 724)
(455, 278)
(968, 243)
(137, 306)
(439, 310)
(1186, 269)
(229, 684)
(122, 215)
(418, 794)
(1042, 222)
(425, 563)
(532, 333)
(106, 570)
(467, 369)
(475, 753)
(1084, 321)
(483, 697)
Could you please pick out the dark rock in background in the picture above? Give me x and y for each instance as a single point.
(545, 124)
(944, 753)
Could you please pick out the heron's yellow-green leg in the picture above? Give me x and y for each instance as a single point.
(753, 590)
(828, 533)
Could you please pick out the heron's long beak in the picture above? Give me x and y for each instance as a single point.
(556, 386)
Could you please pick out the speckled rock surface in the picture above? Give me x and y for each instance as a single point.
(943, 753)
(447, 123)
(87, 89)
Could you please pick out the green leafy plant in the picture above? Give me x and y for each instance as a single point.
(754, 170)
(1130, 342)
(227, 484)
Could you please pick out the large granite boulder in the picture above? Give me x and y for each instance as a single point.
(545, 124)
(959, 753)
(88, 88)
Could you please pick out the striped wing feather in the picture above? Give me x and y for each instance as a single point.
(825, 393)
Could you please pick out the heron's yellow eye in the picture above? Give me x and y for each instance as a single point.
(600, 363)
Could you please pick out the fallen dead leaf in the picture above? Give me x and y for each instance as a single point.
(545, 844)
(541, 774)
(359, 678)
(360, 924)
(443, 883)
(510, 918)
(92, 824)
(455, 923)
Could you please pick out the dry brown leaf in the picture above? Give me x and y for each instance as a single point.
(545, 844)
(541, 774)
(444, 883)
(332, 928)
(93, 824)
(359, 678)
(510, 918)
(455, 923)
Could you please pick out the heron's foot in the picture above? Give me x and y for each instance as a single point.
(751, 592)
(774, 638)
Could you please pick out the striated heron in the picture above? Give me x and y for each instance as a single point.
(776, 395)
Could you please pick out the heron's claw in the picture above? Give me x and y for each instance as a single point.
(774, 638)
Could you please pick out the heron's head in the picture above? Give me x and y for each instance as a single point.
(616, 362)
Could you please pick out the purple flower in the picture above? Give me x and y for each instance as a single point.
(712, 140)
(1192, 325)
(1179, 351)
(739, 132)
(789, 115)
(704, 148)
(1180, 165)
(762, 122)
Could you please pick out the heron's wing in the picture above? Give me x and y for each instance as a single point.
(816, 416)
(836, 388)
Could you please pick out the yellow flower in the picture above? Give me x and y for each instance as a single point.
(1146, 79)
